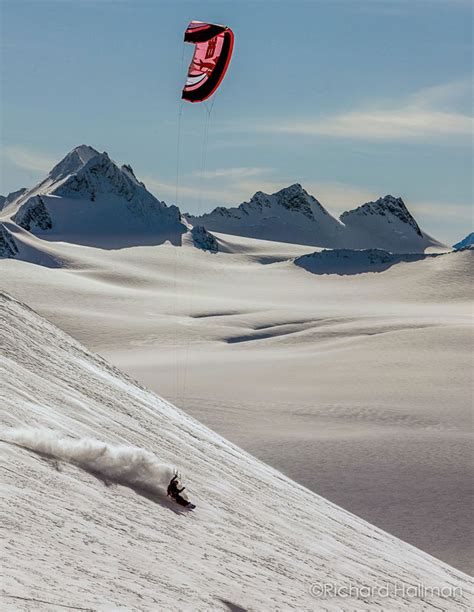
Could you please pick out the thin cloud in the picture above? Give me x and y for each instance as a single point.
(28, 159)
(443, 210)
(408, 123)
(167, 191)
(337, 197)
(417, 118)
(232, 173)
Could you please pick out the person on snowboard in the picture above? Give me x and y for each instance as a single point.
(174, 492)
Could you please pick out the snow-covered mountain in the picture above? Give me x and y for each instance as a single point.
(385, 224)
(465, 242)
(289, 215)
(89, 524)
(292, 215)
(88, 199)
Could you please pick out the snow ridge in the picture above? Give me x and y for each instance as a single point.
(5, 201)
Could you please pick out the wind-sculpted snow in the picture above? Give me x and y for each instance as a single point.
(124, 464)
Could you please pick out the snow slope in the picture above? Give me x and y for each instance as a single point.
(365, 378)
(11, 198)
(465, 242)
(88, 199)
(256, 540)
(292, 215)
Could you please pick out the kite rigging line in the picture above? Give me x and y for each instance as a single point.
(213, 46)
(205, 141)
(175, 250)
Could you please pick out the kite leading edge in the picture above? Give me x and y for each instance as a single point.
(212, 53)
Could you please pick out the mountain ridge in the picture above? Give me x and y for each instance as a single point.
(89, 199)
(385, 223)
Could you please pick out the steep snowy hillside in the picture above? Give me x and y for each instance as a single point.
(289, 215)
(256, 540)
(88, 199)
(292, 215)
(465, 242)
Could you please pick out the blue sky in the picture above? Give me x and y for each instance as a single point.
(354, 99)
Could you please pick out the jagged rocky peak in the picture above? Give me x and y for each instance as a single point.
(74, 161)
(383, 207)
(8, 248)
(98, 175)
(293, 198)
(296, 198)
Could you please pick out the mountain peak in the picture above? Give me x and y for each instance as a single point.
(387, 206)
(74, 161)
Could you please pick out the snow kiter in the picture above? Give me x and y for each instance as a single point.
(212, 53)
(176, 493)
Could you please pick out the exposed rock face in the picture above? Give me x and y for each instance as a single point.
(8, 248)
(33, 214)
(204, 240)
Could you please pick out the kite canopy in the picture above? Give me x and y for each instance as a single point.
(214, 44)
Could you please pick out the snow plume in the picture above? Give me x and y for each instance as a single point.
(126, 465)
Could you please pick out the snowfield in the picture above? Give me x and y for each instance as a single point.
(358, 386)
(83, 537)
